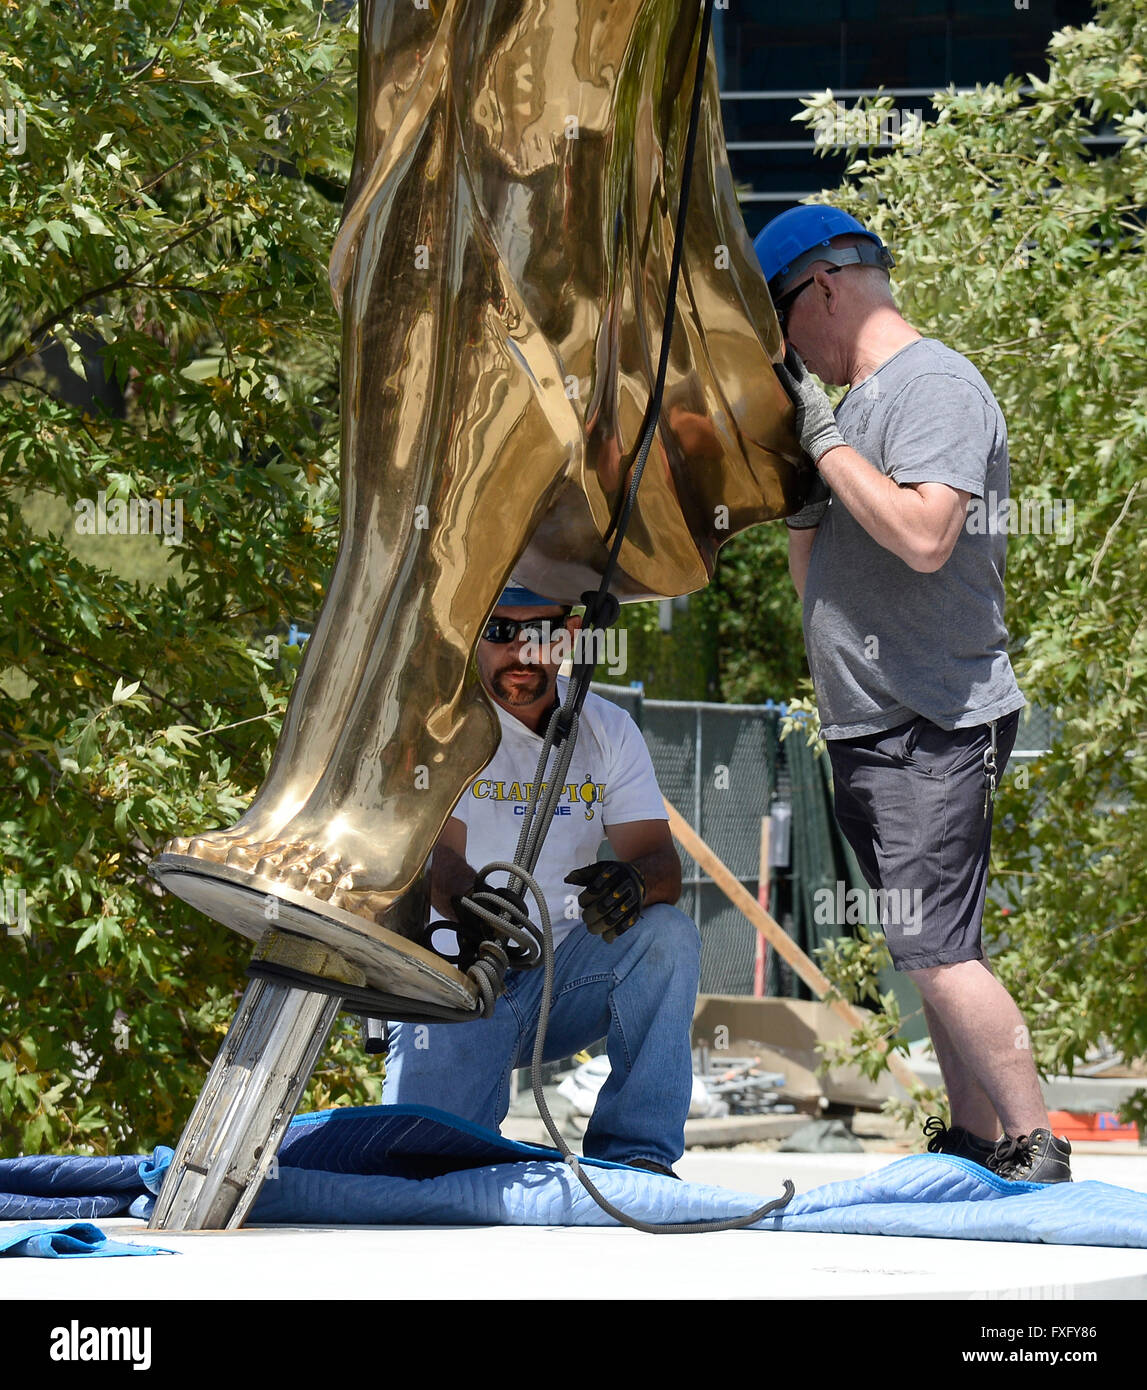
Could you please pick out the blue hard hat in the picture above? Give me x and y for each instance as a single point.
(787, 244)
(518, 596)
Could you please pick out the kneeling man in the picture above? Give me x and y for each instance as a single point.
(626, 962)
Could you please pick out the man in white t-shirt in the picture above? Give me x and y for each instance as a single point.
(626, 962)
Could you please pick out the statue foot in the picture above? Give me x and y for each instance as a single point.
(212, 845)
(306, 891)
(263, 821)
(307, 868)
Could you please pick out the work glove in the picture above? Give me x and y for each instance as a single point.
(611, 902)
(816, 424)
(814, 508)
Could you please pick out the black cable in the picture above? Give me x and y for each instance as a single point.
(603, 600)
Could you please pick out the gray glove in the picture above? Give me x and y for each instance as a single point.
(816, 424)
(814, 508)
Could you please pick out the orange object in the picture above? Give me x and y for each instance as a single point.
(1091, 1126)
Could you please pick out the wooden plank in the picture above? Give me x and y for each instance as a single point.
(761, 960)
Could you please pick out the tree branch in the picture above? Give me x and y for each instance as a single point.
(30, 347)
(111, 670)
(139, 72)
(1111, 533)
(35, 385)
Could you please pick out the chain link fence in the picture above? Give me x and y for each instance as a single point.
(725, 768)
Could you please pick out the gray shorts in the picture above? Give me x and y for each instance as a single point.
(910, 802)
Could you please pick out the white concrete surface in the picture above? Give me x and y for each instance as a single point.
(467, 1262)
(555, 1263)
(764, 1172)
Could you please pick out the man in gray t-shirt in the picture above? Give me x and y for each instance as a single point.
(904, 626)
(925, 415)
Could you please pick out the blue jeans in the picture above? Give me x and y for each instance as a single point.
(637, 992)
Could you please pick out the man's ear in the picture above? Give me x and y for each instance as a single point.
(828, 286)
(574, 622)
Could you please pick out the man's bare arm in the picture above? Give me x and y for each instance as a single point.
(919, 522)
(449, 872)
(649, 847)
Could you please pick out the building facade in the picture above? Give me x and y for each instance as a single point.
(771, 54)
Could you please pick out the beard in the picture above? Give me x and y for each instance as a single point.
(520, 692)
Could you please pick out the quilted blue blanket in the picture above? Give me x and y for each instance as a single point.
(409, 1165)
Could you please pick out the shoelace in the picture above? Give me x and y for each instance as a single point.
(938, 1130)
(1013, 1155)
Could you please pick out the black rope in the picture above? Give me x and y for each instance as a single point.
(602, 607)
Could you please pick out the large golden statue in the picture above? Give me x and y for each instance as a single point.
(501, 272)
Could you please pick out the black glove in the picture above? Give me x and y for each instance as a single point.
(816, 424)
(614, 893)
(816, 504)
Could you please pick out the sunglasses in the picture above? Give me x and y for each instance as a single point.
(785, 303)
(540, 630)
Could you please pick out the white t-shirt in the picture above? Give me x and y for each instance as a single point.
(610, 781)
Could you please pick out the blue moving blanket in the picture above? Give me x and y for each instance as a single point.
(47, 1187)
(411, 1165)
(67, 1242)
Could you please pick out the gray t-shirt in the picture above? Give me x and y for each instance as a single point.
(886, 643)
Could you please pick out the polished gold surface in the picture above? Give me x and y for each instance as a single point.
(388, 963)
(501, 273)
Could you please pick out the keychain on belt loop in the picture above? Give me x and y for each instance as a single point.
(990, 772)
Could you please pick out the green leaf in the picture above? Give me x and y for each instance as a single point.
(58, 231)
(225, 80)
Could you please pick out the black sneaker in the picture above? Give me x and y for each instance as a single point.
(1035, 1157)
(652, 1166)
(960, 1142)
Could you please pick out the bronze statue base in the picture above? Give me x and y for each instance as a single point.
(299, 985)
(250, 905)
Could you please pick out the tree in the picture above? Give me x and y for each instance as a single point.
(168, 198)
(762, 655)
(1021, 245)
